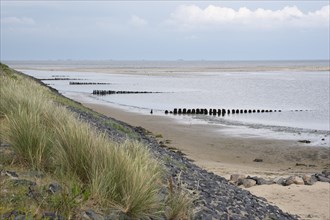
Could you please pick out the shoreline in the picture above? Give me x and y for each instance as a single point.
(221, 153)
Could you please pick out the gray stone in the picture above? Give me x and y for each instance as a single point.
(279, 180)
(54, 188)
(260, 181)
(235, 177)
(11, 174)
(294, 180)
(91, 215)
(247, 183)
(309, 180)
(326, 173)
(323, 179)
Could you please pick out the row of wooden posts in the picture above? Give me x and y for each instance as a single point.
(205, 111)
(61, 76)
(109, 92)
(58, 78)
(88, 83)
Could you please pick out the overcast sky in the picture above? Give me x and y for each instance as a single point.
(162, 30)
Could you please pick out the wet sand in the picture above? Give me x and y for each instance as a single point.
(224, 155)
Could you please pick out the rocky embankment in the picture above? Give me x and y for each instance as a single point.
(216, 197)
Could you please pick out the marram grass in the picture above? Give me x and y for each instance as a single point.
(127, 176)
(28, 137)
(48, 137)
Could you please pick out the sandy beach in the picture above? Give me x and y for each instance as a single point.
(225, 155)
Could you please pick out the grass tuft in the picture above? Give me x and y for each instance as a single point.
(28, 137)
(178, 203)
(129, 178)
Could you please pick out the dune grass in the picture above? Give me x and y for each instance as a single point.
(127, 176)
(48, 137)
(28, 137)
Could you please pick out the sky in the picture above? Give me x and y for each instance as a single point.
(164, 30)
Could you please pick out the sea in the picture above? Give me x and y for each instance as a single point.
(296, 92)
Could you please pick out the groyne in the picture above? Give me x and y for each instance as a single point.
(218, 111)
(88, 83)
(59, 78)
(110, 92)
(221, 112)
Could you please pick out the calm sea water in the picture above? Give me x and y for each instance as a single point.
(280, 85)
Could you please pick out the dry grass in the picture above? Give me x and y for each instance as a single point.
(129, 179)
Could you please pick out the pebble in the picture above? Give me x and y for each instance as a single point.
(54, 188)
(323, 179)
(236, 177)
(91, 215)
(11, 174)
(309, 179)
(247, 183)
(293, 180)
(326, 173)
(261, 181)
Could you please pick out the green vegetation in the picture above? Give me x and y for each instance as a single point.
(46, 136)
(179, 203)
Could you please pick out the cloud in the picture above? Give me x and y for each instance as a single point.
(137, 21)
(18, 21)
(189, 17)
